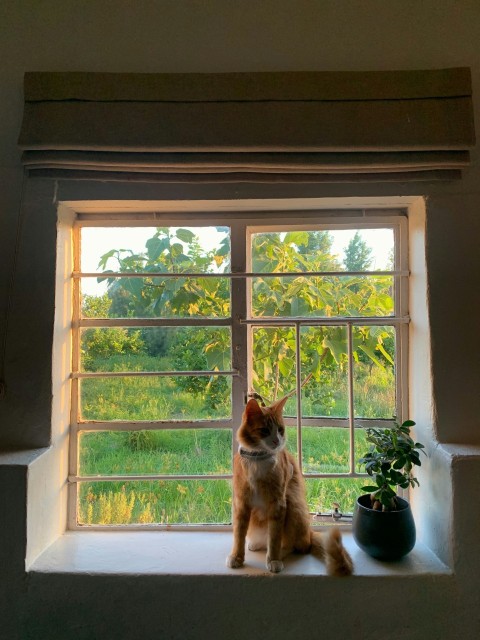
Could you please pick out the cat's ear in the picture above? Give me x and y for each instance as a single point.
(253, 410)
(279, 404)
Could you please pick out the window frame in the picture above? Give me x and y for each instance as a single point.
(242, 225)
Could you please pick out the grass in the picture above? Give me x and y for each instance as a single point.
(191, 452)
(195, 451)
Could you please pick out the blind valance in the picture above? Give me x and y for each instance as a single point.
(309, 126)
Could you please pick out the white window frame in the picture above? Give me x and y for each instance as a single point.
(242, 225)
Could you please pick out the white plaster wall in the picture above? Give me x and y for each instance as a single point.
(219, 35)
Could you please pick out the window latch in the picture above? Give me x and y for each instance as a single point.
(336, 513)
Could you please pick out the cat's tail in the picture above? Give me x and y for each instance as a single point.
(329, 548)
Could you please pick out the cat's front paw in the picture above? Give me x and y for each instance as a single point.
(275, 566)
(234, 562)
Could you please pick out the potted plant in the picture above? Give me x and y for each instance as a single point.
(383, 524)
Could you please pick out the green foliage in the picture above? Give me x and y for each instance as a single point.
(358, 255)
(101, 343)
(170, 251)
(392, 456)
(201, 350)
(323, 349)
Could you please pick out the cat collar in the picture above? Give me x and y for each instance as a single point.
(254, 455)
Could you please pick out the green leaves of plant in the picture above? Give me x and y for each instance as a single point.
(390, 460)
(156, 246)
(185, 235)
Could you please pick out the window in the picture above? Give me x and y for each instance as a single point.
(174, 325)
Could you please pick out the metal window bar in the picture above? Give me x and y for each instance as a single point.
(261, 320)
(227, 423)
(233, 275)
(351, 403)
(146, 374)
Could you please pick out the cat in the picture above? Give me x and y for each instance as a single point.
(270, 508)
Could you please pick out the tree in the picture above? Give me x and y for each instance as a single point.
(99, 344)
(358, 255)
(323, 349)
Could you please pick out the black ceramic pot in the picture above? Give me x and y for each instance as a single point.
(385, 535)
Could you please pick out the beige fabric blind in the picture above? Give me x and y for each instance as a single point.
(251, 126)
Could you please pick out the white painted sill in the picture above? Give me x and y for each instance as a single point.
(202, 553)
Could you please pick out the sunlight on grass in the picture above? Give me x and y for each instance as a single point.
(155, 502)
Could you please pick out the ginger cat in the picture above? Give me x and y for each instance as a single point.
(270, 507)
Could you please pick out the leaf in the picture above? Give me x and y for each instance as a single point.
(105, 257)
(300, 238)
(135, 286)
(385, 499)
(185, 235)
(286, 365)
(156, 246)
(224, 248)
(217, 357)
(299, 307)
(176, 249)
(385, 353)
(370, 353)
(370, 488)
(335, 341)
(408, 423)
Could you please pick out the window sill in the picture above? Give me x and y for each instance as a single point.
(202, 553)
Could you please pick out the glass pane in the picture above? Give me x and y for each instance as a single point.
(320, 250)
(156, 398)
(155, 297)
(291, 433)
(155, 502)
(168, 451)
(323, 492)
(156, 349)
(374, 372)
(361, 448)
(325, 450)
(171, 249)
(322, 296)
(274, 371)
(324, 354)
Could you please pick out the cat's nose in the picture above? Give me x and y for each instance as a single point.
(275, 441)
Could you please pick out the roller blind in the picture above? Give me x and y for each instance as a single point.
(291, 126)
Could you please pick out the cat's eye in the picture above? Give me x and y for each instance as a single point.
(264, 432)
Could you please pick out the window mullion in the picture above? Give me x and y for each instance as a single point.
(351, 400)
(299, 395)
(239, 303)
(75, 384)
